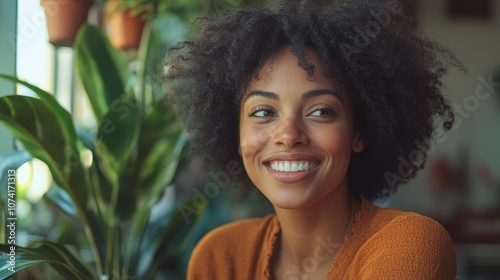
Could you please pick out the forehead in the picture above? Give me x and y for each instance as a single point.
(282, 73)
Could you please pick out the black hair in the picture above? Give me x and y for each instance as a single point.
(390, 70)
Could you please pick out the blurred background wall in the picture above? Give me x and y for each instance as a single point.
(474, 139)
(460, 186)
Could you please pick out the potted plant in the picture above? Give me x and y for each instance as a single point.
(137, 153)
(125, 19)
(125, 22)
(64, 18)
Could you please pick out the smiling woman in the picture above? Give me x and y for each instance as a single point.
(317, 106)
(288, 121)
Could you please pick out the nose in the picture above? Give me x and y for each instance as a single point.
(290, 132)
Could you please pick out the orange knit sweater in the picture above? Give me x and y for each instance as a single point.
(385, 243)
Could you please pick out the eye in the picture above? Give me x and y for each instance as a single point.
(323, 112)
(263, 112)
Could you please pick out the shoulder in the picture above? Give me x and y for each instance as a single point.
(407, 245)
(236, 234)
(231, 246)
(410, 226)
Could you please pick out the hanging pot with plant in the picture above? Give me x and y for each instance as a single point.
(64, 18)
(124, 24)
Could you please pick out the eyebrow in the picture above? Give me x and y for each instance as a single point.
(318, 92)
(306, 95)
(267, 94)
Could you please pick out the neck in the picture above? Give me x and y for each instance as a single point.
(315, 233)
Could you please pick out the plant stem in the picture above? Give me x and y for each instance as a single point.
(94, 247)
(90, 234)
(110, 244)
(139, 222)
(143, 57)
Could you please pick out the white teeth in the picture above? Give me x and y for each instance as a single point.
(295, 166)
(287, 167)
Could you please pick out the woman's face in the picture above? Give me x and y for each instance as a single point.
(296, 135)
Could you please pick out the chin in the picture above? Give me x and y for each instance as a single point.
(290, 205)
(293, 201)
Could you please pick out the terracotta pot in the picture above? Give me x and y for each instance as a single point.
(124, 30)
(64, 18)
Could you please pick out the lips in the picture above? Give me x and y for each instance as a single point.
(291, 168)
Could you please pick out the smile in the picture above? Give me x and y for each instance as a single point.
(292, 166)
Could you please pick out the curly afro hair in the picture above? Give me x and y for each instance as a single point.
(391, 72)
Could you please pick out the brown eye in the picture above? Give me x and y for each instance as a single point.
(324, 112)
(263, 112)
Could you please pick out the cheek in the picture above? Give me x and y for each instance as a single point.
(252, 141)
(336, 140)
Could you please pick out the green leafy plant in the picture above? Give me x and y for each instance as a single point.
(186, 9)
(138, 151)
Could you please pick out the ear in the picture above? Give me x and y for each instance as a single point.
(357, 143)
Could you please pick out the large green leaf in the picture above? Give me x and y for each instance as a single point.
(166, 239)
(47, 132)
(102, 69)
(100, 187)
(87, 138)
(64, 117)
(62, 200)
(46, 137)
(10, 161)
(178, 229)
(155, 40)
(166, 154)
(161, 145)
(57, 256)
(117, 136)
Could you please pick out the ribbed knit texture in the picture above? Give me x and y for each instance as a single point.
(386, 243)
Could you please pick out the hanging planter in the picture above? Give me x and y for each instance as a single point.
(124, 27)
(64, 18)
